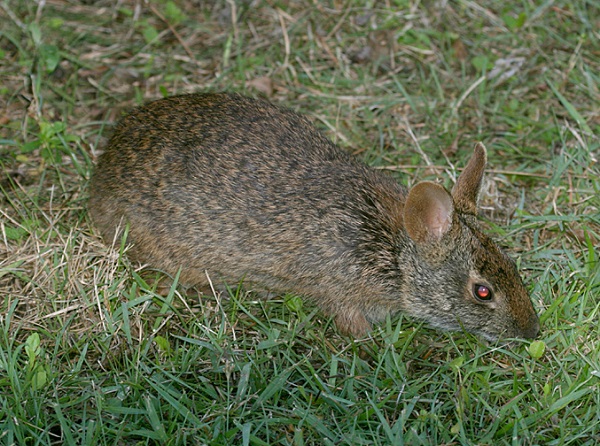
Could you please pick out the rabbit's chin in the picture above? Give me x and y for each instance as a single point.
(494, 339)
(478, 332)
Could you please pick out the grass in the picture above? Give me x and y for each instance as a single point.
(90, 353)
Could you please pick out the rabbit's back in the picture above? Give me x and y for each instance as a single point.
(242, 189)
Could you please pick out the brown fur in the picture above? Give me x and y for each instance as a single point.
(241, 189)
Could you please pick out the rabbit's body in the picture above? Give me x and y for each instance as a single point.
(231, 188)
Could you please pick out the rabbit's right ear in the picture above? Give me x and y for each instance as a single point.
(428, 212)
(466, 189)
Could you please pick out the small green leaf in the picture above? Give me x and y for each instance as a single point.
(51, 129)
(294, 303)
(547, 389)
(50, 56)
(267, 344)
(536, 349)
(14, 234)
(32, 349)
(457, 363)
(514, 23)
(126, 12)
(36, 33)
(163, 344)
(173, 13)
(32, 344)
(150, 33)
(39, 378)
(56, 22)
(482, 63)
(31, 146)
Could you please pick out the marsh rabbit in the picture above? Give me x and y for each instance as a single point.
(238, 188)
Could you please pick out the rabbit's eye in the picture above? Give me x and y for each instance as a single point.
(482, 293)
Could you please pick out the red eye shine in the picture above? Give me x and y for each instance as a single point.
(482, 293)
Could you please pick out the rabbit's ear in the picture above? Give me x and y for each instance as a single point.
(467, 187)
(428, 212)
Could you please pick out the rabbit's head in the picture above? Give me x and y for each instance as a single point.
(460, 278)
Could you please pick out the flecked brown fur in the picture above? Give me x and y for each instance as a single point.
(239, 188)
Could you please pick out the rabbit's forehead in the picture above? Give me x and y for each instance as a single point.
(489, 260)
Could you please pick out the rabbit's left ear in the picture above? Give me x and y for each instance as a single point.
(467, 187)
(428, 212)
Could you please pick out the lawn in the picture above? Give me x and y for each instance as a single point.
(91, 353)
